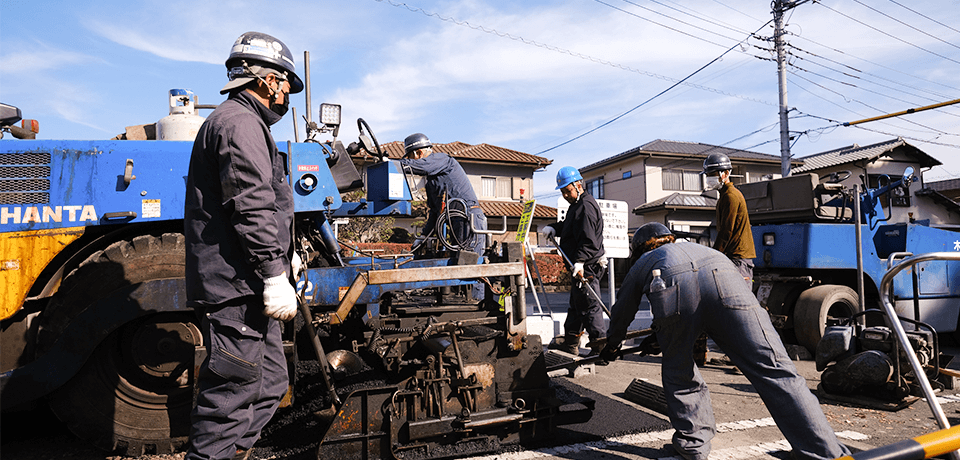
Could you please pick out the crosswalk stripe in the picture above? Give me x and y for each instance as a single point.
(637, 439)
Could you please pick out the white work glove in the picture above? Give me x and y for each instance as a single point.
(279, 298)
(296, 265)
(548, 232)
(603, 262)
(578, 270)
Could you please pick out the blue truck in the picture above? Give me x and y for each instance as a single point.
(809, 264)
(93, 319)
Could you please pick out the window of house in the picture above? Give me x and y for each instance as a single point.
(488, 187)
(627, 174)
(504, 187)
(682, 180)
(595, 187)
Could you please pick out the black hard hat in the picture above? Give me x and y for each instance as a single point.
(256, 48)
(716, 162)
(645, 232)
(414, 142)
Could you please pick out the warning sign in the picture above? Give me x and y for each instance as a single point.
(616, 241)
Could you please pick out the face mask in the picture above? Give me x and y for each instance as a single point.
(713, 183)
(281, 109)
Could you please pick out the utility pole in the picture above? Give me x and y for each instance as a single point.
(778, 9)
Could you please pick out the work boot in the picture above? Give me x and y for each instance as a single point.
(569, 343)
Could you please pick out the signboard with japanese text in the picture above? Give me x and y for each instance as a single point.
(525, 218)
(616, 241)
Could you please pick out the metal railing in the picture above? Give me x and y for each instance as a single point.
(885, 296)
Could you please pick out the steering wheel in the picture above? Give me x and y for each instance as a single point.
(836, 177)
(369, 141)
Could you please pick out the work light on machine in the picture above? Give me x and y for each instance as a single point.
(330, 115)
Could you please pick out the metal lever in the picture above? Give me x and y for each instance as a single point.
(128, 172)
(473, 227)
(585, 283)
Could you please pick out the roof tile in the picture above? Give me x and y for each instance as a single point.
(854, 153)
(479, 152)
(691, 149)
(515, 209)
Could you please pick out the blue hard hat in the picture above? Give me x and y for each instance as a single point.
(567, 176)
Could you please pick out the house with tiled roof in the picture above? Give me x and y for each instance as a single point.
(949, 188)
(878, 163)
(501, 177)
(661, 181)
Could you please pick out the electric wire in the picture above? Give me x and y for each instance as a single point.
(734, 9)
(886, 133)
(922, 15)
(933, 130)
(868, 81)
(875, 63)
(556, 49)
(608, 122)
(792, 46)
(905, 24)
(863, 89)
(666, 26)
(888, 34)
(708, 20)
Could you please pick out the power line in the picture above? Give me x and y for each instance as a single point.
(736, 10)
(860, 79)
(888, 34)
(908, 25)
(923, 15)
(585, 57)
(845, 98)
(875, 63)
(854, 69)
(841, 124)
(648, 100)
(669, 17)
(851, 85)
(708, 20)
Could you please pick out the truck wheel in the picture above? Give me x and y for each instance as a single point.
(816, 306)
(135, 392)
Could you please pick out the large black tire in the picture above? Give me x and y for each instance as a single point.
(816, 306)
(134, 394)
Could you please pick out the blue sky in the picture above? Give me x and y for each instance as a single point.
(526, 75)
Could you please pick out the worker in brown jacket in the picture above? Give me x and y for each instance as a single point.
(734, 235)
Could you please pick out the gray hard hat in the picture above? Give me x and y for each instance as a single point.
(716, 162)
(414, 142)
(254, 49)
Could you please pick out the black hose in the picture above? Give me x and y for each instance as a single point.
(446, 216)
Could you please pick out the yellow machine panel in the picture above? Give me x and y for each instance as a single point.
(23, 256)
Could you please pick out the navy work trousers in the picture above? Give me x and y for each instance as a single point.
(241, 381)
(585, 310)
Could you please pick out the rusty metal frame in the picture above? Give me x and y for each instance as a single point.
(418, 275)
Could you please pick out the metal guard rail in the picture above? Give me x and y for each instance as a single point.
(885, 288)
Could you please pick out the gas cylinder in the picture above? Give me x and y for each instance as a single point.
(183, 122)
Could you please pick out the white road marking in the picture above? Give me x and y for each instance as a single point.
(733, 453)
